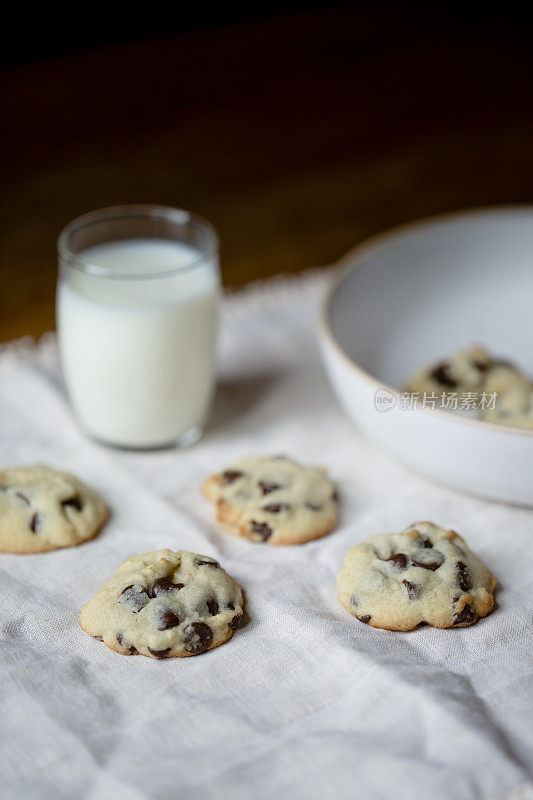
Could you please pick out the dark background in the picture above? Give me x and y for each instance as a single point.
(298, 129)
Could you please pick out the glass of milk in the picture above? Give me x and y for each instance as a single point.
(136, 314)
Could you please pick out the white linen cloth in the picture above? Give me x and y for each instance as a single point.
(304, 702)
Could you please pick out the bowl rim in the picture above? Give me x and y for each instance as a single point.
(356, 257)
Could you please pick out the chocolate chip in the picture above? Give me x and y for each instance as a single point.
(364, 619)
(231, 475)
(21, 496)
(313, 507)
(165, 586)
(432, 565)
(203, 562)
(335, 496)
(212, 606)
(463, 576)
(262, 529)
(167, 619)
(120, 639)
(134, 598)
(399, 560)
(35, 523)
(266, 487)
(197, 637)
(428, 560)
(74, 502)
(159, 653)
(441, 375)
(235, 621)
(275, 508)
(426, 543)
(481, 366)
(413, 590)
(466, 616)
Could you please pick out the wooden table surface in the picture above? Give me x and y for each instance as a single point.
(297, 136)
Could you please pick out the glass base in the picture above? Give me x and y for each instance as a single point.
(183, 441)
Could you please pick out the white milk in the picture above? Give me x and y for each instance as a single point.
(139, 352)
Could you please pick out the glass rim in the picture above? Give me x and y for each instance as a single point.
(147, 210)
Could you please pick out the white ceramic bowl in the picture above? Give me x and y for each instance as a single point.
(411, 297)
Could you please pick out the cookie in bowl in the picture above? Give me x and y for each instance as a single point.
(513, 397)
(464, 371)
(502, 393)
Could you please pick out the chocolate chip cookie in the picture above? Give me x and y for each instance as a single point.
(41, 509)
(425, 574)
(475, 371)
(514, 397)
(463, 372)
(273, 500)
(165, 604)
